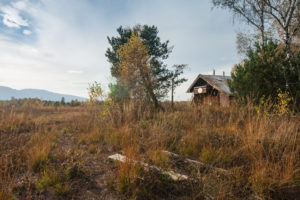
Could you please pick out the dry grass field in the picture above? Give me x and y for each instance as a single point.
(49, 152)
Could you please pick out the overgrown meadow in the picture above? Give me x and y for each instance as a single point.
(50, 152)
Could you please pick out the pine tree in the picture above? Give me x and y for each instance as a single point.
(266, 70)
(157, 50)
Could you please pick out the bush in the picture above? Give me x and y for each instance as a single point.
(265, 71)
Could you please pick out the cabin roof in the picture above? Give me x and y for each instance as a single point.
(216, 81)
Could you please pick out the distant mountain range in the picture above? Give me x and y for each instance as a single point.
(7, 93)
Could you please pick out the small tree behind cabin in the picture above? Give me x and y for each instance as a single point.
(135, 71)
(175, 80)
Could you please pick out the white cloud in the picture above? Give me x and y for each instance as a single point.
(27, 32)
(75, 71)
(20, 5)
(70, 45)
(9, 23)
(12, 18)
(24, 66)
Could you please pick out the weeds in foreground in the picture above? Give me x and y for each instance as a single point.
(8, 175)
(262, 151)
(56, 178)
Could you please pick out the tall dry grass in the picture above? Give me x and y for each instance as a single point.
(8, 173)
(261, 151)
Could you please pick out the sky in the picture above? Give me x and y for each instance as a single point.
(59, 45)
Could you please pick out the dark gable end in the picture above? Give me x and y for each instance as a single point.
(197, 82)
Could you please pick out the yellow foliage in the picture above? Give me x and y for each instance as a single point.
(134, 67)
(282, 105)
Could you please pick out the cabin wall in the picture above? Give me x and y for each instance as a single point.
(221, 99)
(224, 99)
(206, 99)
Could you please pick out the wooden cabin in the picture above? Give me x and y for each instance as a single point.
(211, 90)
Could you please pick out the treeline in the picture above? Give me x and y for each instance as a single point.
(38, 102)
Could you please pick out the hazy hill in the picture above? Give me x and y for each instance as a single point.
(7, 93)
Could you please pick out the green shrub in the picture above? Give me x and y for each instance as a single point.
(61, 189)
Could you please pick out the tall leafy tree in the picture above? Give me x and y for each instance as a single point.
(135, 71)
(266, 13)
(158, 51)
(253, 12)
(285, 14)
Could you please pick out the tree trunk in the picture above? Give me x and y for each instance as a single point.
(262, 21)
(263, 38)
(288, 43)
(154, 99)
(150, 91)
(172, 93)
